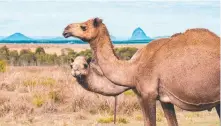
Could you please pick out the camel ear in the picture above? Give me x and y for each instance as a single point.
(89, 60)
(97, 22)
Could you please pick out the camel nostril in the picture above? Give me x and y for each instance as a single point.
(66, 34)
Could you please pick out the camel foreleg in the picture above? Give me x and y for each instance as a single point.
(149, 104)
(169, 113)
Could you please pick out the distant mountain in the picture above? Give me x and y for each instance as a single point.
(139, 34)
(17, 37)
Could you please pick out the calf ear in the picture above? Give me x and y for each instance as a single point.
(89, 60)
(97, 22)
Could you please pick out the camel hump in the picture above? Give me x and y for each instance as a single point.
(201, 31)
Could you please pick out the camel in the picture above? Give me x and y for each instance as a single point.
(91, 78)
(183, 70)
(91, 81)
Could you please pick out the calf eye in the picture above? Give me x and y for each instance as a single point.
(84, 28)
(85, 66)
(71, 66)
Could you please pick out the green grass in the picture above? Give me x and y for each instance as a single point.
(3, 65)
(119, 120)
(31, 83)
(129, 93)
(38, 100)
(48, 81)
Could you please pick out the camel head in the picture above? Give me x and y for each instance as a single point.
(85, 31)
(80, 66)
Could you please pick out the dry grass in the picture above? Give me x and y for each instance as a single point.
(51, 96)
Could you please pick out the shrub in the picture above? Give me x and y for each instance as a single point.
(54, 95)
(4, 53)
(48, 81)
(31, 83)
(13, 57)
(38, 100)
(39, 50)
(125, 53)
(2, 66)
(87, 53)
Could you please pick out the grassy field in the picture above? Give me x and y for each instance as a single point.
(50, 96)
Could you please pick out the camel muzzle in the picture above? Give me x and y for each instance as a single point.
(67, 34)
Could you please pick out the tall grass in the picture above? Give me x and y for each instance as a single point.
(53, 89)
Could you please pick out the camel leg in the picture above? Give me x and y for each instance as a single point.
(169, 113)
(218, 109)
(149, 102)
(141, 104)
(142, 108)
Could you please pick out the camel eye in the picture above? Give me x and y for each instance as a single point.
(85, 66)
(84, 28)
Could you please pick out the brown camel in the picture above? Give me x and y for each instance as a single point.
(90, 81)
(183, 70)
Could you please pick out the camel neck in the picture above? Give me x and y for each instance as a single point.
(102, 44)
(114, 69)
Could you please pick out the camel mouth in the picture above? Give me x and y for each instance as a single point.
(67, 34)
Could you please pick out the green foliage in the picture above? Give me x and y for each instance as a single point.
(129, 93)
(4, 53)
(13, 57)
(27, 58)
(2, 66)
(125, 53)
(48, 82)
(105, 120)
(87, 53)
(38, 100)
(111, 119)
(54, 95)
(31, 83)
(39, 50)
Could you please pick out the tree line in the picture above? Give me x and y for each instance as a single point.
(39, 57)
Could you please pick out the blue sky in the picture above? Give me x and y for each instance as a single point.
(156, 18)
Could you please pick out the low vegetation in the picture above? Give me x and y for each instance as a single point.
(2, 66)
(119, 120)
(39, 57)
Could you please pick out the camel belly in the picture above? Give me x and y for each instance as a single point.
(191, 79)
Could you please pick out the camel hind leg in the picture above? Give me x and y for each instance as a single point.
(169, 113)
(218, 109)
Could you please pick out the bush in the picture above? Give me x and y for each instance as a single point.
(13, 57)
(38, 100)
(4, 53)
(2, 66)
(125, 53)
(39, 50)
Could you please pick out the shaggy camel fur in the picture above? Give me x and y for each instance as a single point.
(183, 70)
